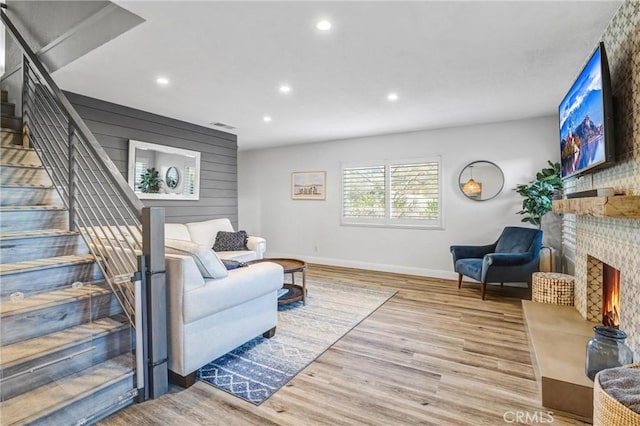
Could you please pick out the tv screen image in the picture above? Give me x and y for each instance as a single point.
(584, 116)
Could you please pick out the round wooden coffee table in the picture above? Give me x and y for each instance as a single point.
(290, 266)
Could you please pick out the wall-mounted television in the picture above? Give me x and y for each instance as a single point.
(586, 119)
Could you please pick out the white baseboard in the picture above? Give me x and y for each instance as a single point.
(382, 267)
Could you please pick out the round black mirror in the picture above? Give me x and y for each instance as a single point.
(481, 180)
(172, 178)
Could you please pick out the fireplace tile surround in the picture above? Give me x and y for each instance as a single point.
(614, 241)
(620, 250)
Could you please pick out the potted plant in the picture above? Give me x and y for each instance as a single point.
(149, 181)
(538, 194)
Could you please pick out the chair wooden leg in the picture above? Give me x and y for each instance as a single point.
(501, 284)
(459, 280)
(483, 290)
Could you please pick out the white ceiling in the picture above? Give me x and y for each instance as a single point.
(451, 63)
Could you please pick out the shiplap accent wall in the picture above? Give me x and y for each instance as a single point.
(113, 125)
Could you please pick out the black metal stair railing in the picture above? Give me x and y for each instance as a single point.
(101, 205)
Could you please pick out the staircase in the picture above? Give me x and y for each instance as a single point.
(65, 354)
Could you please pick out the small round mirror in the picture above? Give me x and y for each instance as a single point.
(172, 178)
(481, 180)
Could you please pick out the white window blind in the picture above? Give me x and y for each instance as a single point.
(141, 168)
(415, 191)
(569, 236)
(189, 180)
(569, 226)
(398, 193)
(363, 190)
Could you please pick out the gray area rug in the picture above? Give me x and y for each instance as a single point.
(257, 369)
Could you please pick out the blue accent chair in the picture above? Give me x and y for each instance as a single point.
(513, 258)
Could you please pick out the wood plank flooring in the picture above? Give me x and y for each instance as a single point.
(432, 355)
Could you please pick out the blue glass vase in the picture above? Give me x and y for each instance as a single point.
(606, 350)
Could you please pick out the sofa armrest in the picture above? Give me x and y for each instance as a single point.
(182, 273)
(258, 245)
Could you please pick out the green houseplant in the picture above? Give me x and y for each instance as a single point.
(538, 194)
(149, 181)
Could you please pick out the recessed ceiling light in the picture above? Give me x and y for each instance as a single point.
(323, 25)
(266, 119)
(392, 97)
(162, 81)
(285, 88)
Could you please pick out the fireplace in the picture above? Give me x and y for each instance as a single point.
(603, 286)
(610, 296)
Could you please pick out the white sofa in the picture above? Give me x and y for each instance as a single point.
(208, 317)
(205, 233)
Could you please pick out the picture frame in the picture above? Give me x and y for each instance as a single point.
(309, 185)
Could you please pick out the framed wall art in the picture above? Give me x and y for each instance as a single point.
(308, 185)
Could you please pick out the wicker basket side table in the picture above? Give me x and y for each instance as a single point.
(553, 288)
(607, 411)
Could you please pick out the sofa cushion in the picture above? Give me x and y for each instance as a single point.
(231, 241)
(206, 259)
(205, 232)
(176, 231)
(470, 267)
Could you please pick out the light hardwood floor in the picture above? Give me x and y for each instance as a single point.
(432, 355)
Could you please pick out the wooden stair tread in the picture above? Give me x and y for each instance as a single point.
(18, 147)
(36, 234)
(54, 396)
(30, 208)
(22, 166)
(39, 346)
(50, 262)
(51, 298)
(27, 185)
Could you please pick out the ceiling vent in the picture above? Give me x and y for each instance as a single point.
(222, 125)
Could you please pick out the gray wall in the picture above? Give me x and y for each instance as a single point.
(113, 125)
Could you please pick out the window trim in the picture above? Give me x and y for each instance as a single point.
(387, 221)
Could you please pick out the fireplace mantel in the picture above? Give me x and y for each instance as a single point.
(619, 206)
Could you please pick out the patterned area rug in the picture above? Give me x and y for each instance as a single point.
(257, 369)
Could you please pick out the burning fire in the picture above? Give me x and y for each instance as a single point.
(611, 296)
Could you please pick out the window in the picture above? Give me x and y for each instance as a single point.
(392, 193)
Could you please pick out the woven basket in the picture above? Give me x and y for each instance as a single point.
(552, 287)
(608, 411)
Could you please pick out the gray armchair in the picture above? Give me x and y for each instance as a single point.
(513, 258)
